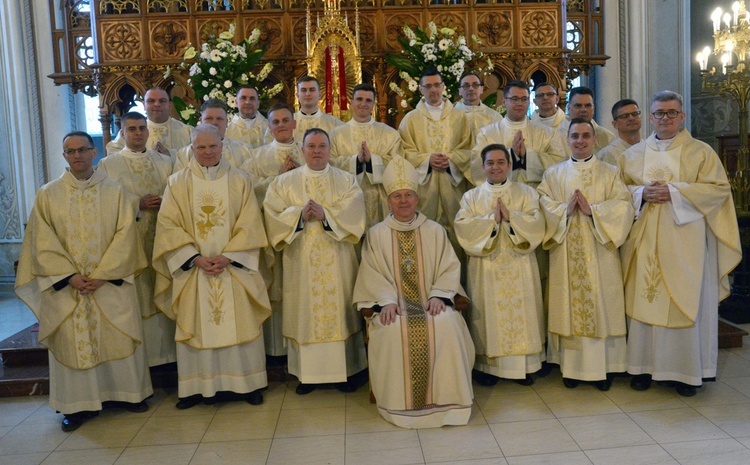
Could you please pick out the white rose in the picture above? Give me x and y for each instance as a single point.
(440, 68)
(212, 71)
(204, 83)
(404, 104)
(228, 84)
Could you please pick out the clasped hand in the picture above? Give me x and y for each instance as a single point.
(656, 192)
(85, 285)
(212, 266)
(313, 211)
(578, 202)
(439, 162)
(389, 312)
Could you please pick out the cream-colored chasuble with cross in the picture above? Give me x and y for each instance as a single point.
(210, 212)
(586, 297)
(420, 365)
(507, 321)
(384, 144)
(85, 227)
(250, 131)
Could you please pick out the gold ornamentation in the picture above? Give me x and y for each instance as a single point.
(495, 29)
(216, 300)
(118, 7)
(211, 214)
(169, 36)
(167, 6)
(652, 278)
(659, 173)
(539, 29)
(122, 40)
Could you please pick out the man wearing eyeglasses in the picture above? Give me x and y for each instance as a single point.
(533, 146)
(436, 140)
(478, 114)
(78, 262)
(626, 119)
(581, 105)
(547, 112)
(684, 243)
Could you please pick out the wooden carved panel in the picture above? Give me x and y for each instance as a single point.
(121, 40)
(212, 27)
(299, 28)
(168, 38)
(216, 5)
(539, 29)
(456, 20)
(394, 27)
(495, 29)
(368, 40)
(270, 34)
(167, 6)
(119, 7)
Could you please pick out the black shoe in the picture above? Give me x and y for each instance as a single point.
(255, 397)
(303, 389)
(570, 383)
(686, 390)
(640, 382)
(603, 385)
(189, 401)
(486, 379)
(348, 386)
(73, 421)
(528, 381)
(135, 407)
(545, 370)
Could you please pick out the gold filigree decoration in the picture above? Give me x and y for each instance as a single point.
(495, 30)
(539, 29)
(216, 300)
(576, 6)
(211, 214)
(214, 5)
(167, 6)
(659, 173)
(122, 41)
(652, 278)
(118, 7)
(168, 37)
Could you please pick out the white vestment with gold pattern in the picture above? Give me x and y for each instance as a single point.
(318, 119)
(611, 153)
(420, 365)
(95, 341)
(320, 324)
(587, 303)
(173, 134)
(141, 174)
(507, 320)
(553, 121)
(478, 117)
(677, 258)
(253, 132)
(211, 212)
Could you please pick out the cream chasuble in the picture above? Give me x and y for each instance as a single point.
(663, 258)
(384, 144)
(233, 151)
(85, 227)
(420, 366)
(173, 134)
(611, 153)
(553, 121)
(422, 135)
(478, 117)
(544, 148)
(211, 212)
(504, 285)
(318, 119)
(249, 131)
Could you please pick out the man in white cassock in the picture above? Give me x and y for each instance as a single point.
(478, 114)
(209, 237)
(588, 213)
(248, 125)
(420, 350)
(581, 105)
(547, 112)
(499, 226)
(78, 262)
(626, 119)
(314, 216)
(684, 243)
(364, 147)
(214, 112)
(533, 146)
(166, 135)
(309, 115)
(144, 175)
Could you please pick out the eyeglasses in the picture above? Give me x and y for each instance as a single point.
(624, 116)
(80, 151)
(545, 94)
(672, 114)
(432, 86)
(518, 99)
(471, 86)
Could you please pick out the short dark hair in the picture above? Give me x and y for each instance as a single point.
(280, 106)
(545, 83)
(492, 148)
(214, 103)
(430, 72)
(79, 134)
(308, 78)
(156, 88)
(364, 87)
(620, 104)
(316, 131)
(248, 86)
(512, 84)
(581, 121)
(470, 73)
(132, 115)
(582, 90)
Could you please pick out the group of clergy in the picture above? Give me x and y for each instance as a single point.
(216, 245)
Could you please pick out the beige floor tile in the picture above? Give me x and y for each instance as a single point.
(366, 419)
(656, 398)
(740, 383)
(242, 426)
(635, 455)
(272, 401)
(677, 425)
(84, 457)
(458, 443)
(533, 437)
(492, 461)
(253, 452)
(4, 429)
(718, 393)
(95, 434)
(171, 430)
(173, 454)
(722, 451)
(744, 441)
(564, 458)
(556, 393)
(24, 439)
(24, 459)
(43, 414)
(14, 410)
(166, 408)
(394, 448)
(320, 398)
(605, 431)
(318, 450)
(311, 422)
(732, 365)
(589, 402)
(514, 407)
(733, 419)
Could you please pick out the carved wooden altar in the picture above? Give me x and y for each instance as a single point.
(117, 49)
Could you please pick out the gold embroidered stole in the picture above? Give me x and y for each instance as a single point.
(157, 133)
(144, 178)
(417, 329)
(212, 233)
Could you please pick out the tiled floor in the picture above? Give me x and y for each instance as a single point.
(14, 315)
(511, 424)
